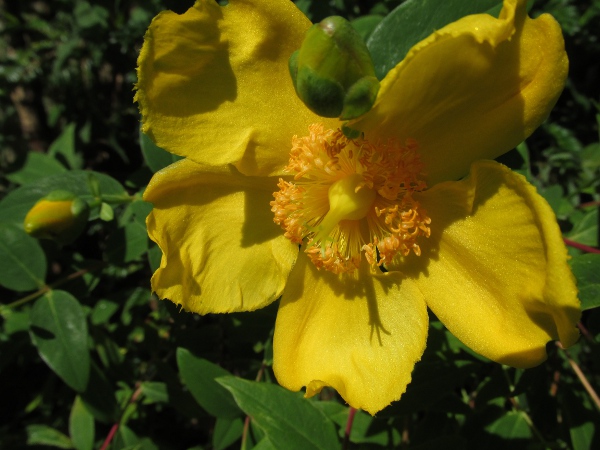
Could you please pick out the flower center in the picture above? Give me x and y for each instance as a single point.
(351, 197)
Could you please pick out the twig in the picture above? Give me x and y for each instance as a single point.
(585, 248)
(113, 430)
(51, 286)
(259, 375)
(351, 414)
(586, 384)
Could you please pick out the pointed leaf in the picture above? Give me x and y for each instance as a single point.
(288, 420)
(59, 331)
(81, 426)
(22, 260)
(199, 376)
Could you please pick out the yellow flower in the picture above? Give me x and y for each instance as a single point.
(484, 253)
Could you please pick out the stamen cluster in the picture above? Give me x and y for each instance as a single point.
(394, 221)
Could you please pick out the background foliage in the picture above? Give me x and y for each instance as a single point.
(90, 358)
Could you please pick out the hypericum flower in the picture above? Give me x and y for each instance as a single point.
(411, 215)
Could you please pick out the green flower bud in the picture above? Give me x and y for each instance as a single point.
(333, 72)
(60, 216)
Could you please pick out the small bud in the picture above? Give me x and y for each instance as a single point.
(60, 216)
(333, 72)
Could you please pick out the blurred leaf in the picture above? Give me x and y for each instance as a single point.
(365, 25)
(199, 376)
(510, 426)
(226, 432)
(155, 157)
(22, 260)
(59, 331)
(103, 311)
(106, 212)
(37, 165)
(81, 426)
(288, 420)
(155, 392)
(127, 244)
(412, 22)
(14, 207)
(586, 269)
(585, 230)
(64, 148)
(99, 396)
(45, 435)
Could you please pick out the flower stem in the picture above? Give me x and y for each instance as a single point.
(584, 381)
(113, 430)
(585, 248)
(351, 414)
(49, 287)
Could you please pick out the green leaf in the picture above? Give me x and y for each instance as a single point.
(14, 207)
(199, 376)
(103, 311)
(288, 420)
(64, 148)
(45, 435)
(22, 260)
(413, 21)
(510, 426)
(59, 331)
(155, 157)
(586, 269)
(81, 426)
(155, 392)
(127, 244)
(585, 228)
(37, 165)
(226, 432)
(106, 212)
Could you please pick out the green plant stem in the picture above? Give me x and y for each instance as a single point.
(577, 245)
(50, 286)
(582, 378)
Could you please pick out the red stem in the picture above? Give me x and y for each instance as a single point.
(115, 427)
(585, 248)
(351, 413)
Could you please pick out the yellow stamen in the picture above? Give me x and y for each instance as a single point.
(351, 196)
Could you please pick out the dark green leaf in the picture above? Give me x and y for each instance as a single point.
(99, 397)
(64, 148)
(155, 157)
(103, 311)
(37, 165)
(199, 376)
(288, 420)
(155, 392)
(510, 426)
(14, 207)
(81, 426)
(59, 331)
(412, 22)
(45, 435)
(586, 269)
(127, 244)
(585, 229)
(22, 260)
(226, 432)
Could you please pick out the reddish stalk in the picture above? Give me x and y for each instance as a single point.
(351, 414)
(115, 427)
(585, 248)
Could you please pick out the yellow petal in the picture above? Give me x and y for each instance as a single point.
(221, 250)
(213, 83)
(472, 90)
(360, 336)
(495, 268)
